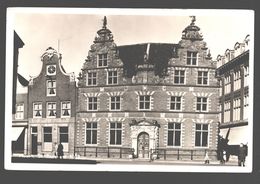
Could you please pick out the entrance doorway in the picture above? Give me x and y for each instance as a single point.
(34, 140)
(143, 145)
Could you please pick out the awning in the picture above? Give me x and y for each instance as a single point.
(16, 132)
(237, 135)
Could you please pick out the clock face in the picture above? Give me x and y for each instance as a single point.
(51, 69)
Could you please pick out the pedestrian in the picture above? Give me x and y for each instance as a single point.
(206, 158)
(224, 157)
(60, 151)
(55, 149)
(242, 155)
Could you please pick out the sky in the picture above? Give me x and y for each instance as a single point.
(75, 30)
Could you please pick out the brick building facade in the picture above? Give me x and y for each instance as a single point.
(150, 98)
(233, 75)
(51, 107)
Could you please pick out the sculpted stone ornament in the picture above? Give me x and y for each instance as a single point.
(104, 34)
(50, 52)
(192, 31)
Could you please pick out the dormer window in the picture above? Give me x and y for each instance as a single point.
(51, 88)
(191, 58)
(102, 60)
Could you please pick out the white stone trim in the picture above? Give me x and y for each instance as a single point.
(202, 94)
(202, 121)
(91, 94)
(115, 93)
(90, 119)
(171, 93)
(177, 120)
(115, 119)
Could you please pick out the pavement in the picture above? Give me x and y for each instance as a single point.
(84, 160)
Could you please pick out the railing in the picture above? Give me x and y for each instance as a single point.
(181, 154)
(109, 152)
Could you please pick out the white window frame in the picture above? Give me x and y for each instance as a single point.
(203, 77)
(69, 109)
(174, 130)
(63, 133)
(40, 110)
(19, 113)
(179, 77)
(115, 130)
(227, 114)
(92, 103)
(55, 87)
(100, 57)
(191, 57)
(201, 135)
(113, 77)
(201, 104)
(91, 129)
(54, 109)
(115, 103)
(139, 101)
(91, 78)
(43, 139)
(175, 103)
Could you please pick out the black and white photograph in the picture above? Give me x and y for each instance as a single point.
(139, 90)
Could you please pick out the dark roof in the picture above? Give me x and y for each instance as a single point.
(158, 55)
(18, 41)
(22, 80)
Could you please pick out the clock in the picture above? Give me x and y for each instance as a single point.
(51, 69)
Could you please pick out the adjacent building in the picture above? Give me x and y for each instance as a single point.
(148, 99)
(51, 107)
(19, 106)
(233, 76)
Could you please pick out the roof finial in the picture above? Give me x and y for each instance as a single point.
(105, 22)
(193, 19)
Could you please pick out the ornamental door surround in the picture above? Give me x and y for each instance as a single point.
(150, 128)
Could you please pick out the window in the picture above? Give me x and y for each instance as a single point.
(92, 103)
(144, 102)
(236, 109)
(175, 103)
(47, 134)
(64, 134)
(115, 133)
(51, 109)
(51, 88)
(34, 130)
(92, 78)
(246, 106)
(65, 108)
(179, 76)
(191, 58)
(115, 103)
(174, 134)
(201, 137)
(37, 110)
(112, 77)
(227, 84)
(246, 75)
(91, 133)
(202, 77)
(237, 80)
(202, 104)
(227, 111)
(102, 60)
(19, 114)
